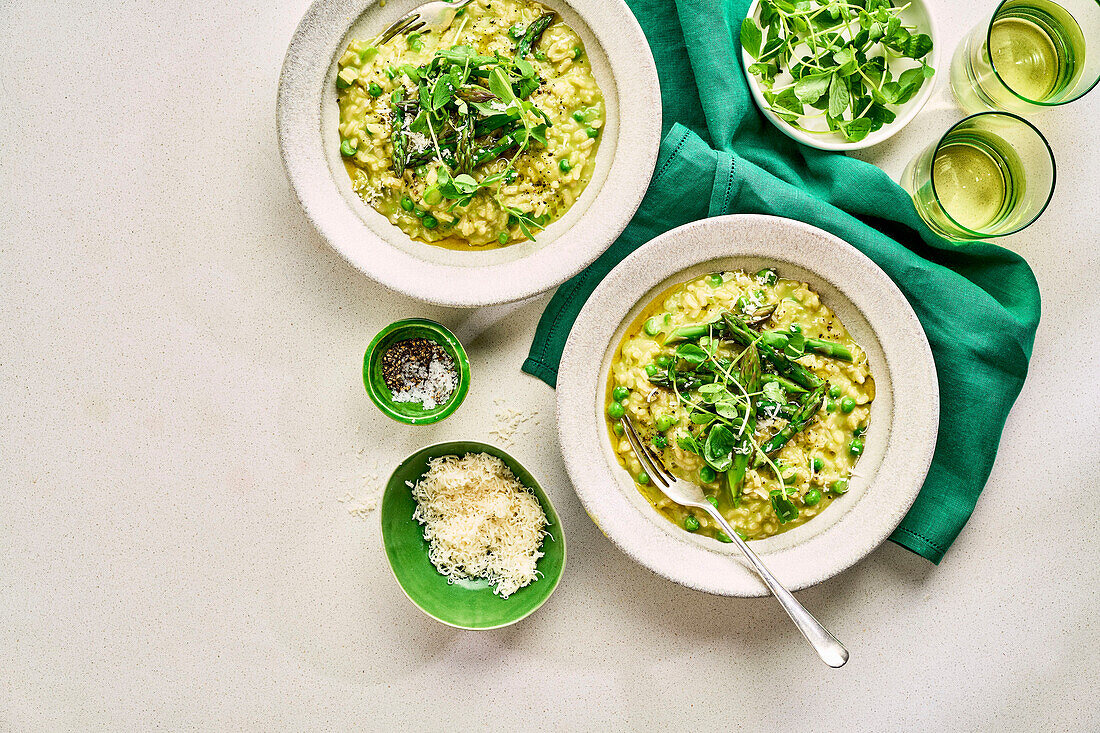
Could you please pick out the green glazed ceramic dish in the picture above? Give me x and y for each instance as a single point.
(464, 604)
(412, 413)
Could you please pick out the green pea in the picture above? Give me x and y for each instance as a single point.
(714, 279)
(374, 90)
(796, 328)
(564, 165)
(414, 42)
(767, 276)
(664, 422)
(834, 391)
(347, 148)
(421, 171)
(660, 442)
(540, 55)
(847, 405)
(430, 222)
(420, 212)
(432, 195)
(615, 410)
(812, 497)
(818, 463)
(663, 360)
(651, 370)
(742, 303)
(642, 478)
(653, 325)
(859, 431)
(691, 524)
(855, 447)
(830, 406)
(713, 501)
(407, 204)
(617, 428)
(577, 52)
(502, 238)
(840, 486)
(620, 393)
(707, 474)
(592, 132)
(580, 116)
(515, 31)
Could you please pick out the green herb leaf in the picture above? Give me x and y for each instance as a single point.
(839, 97)
(809, 89)
(718, 448)
(774, 392)
(687, 442)
(500, 86)
(857, 129)
(727, 409)
(916, 46)
(751, 37)
(691, 353)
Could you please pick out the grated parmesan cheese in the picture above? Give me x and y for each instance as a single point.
(480, 521)
(511, 423)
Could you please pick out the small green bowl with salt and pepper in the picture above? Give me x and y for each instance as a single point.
(416, 371)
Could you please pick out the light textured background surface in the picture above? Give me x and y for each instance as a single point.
(182, 412)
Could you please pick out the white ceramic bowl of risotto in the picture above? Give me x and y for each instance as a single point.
(899, 442)
(309, 140)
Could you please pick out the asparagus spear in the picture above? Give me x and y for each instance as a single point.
(532, 35)
(802, 417)
(750, 379)
(741, 333)
(778, 340)
(783, 382)
(399, 138)
(464, 146)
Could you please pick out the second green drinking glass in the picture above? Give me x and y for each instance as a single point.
(990, 175)
(1030, 54)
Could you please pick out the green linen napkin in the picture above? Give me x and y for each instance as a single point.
(979, 303)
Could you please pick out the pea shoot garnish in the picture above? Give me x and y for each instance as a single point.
(463, 109)
(835, 60)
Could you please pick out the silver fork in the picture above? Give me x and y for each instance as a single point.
(430, 17)
(685, 493)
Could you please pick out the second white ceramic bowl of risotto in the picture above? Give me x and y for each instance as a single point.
(307, 120)
(898, 445)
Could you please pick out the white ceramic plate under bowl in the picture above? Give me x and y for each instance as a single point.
(898, 444)
(916, 14)
(307, 117)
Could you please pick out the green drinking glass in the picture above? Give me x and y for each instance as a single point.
(1030, 54)
(990, 175)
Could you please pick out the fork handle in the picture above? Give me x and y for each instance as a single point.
(831, 651)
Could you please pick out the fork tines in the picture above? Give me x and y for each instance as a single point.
(651, 463)
(405, 24)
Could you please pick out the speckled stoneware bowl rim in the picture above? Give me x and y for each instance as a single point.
(899, 443)
(540, 494)
(449, 341)
(909, 110)
(305, 109)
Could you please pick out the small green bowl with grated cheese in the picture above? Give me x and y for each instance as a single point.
(465, 602)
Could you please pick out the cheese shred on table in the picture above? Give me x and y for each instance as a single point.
(480, 521)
